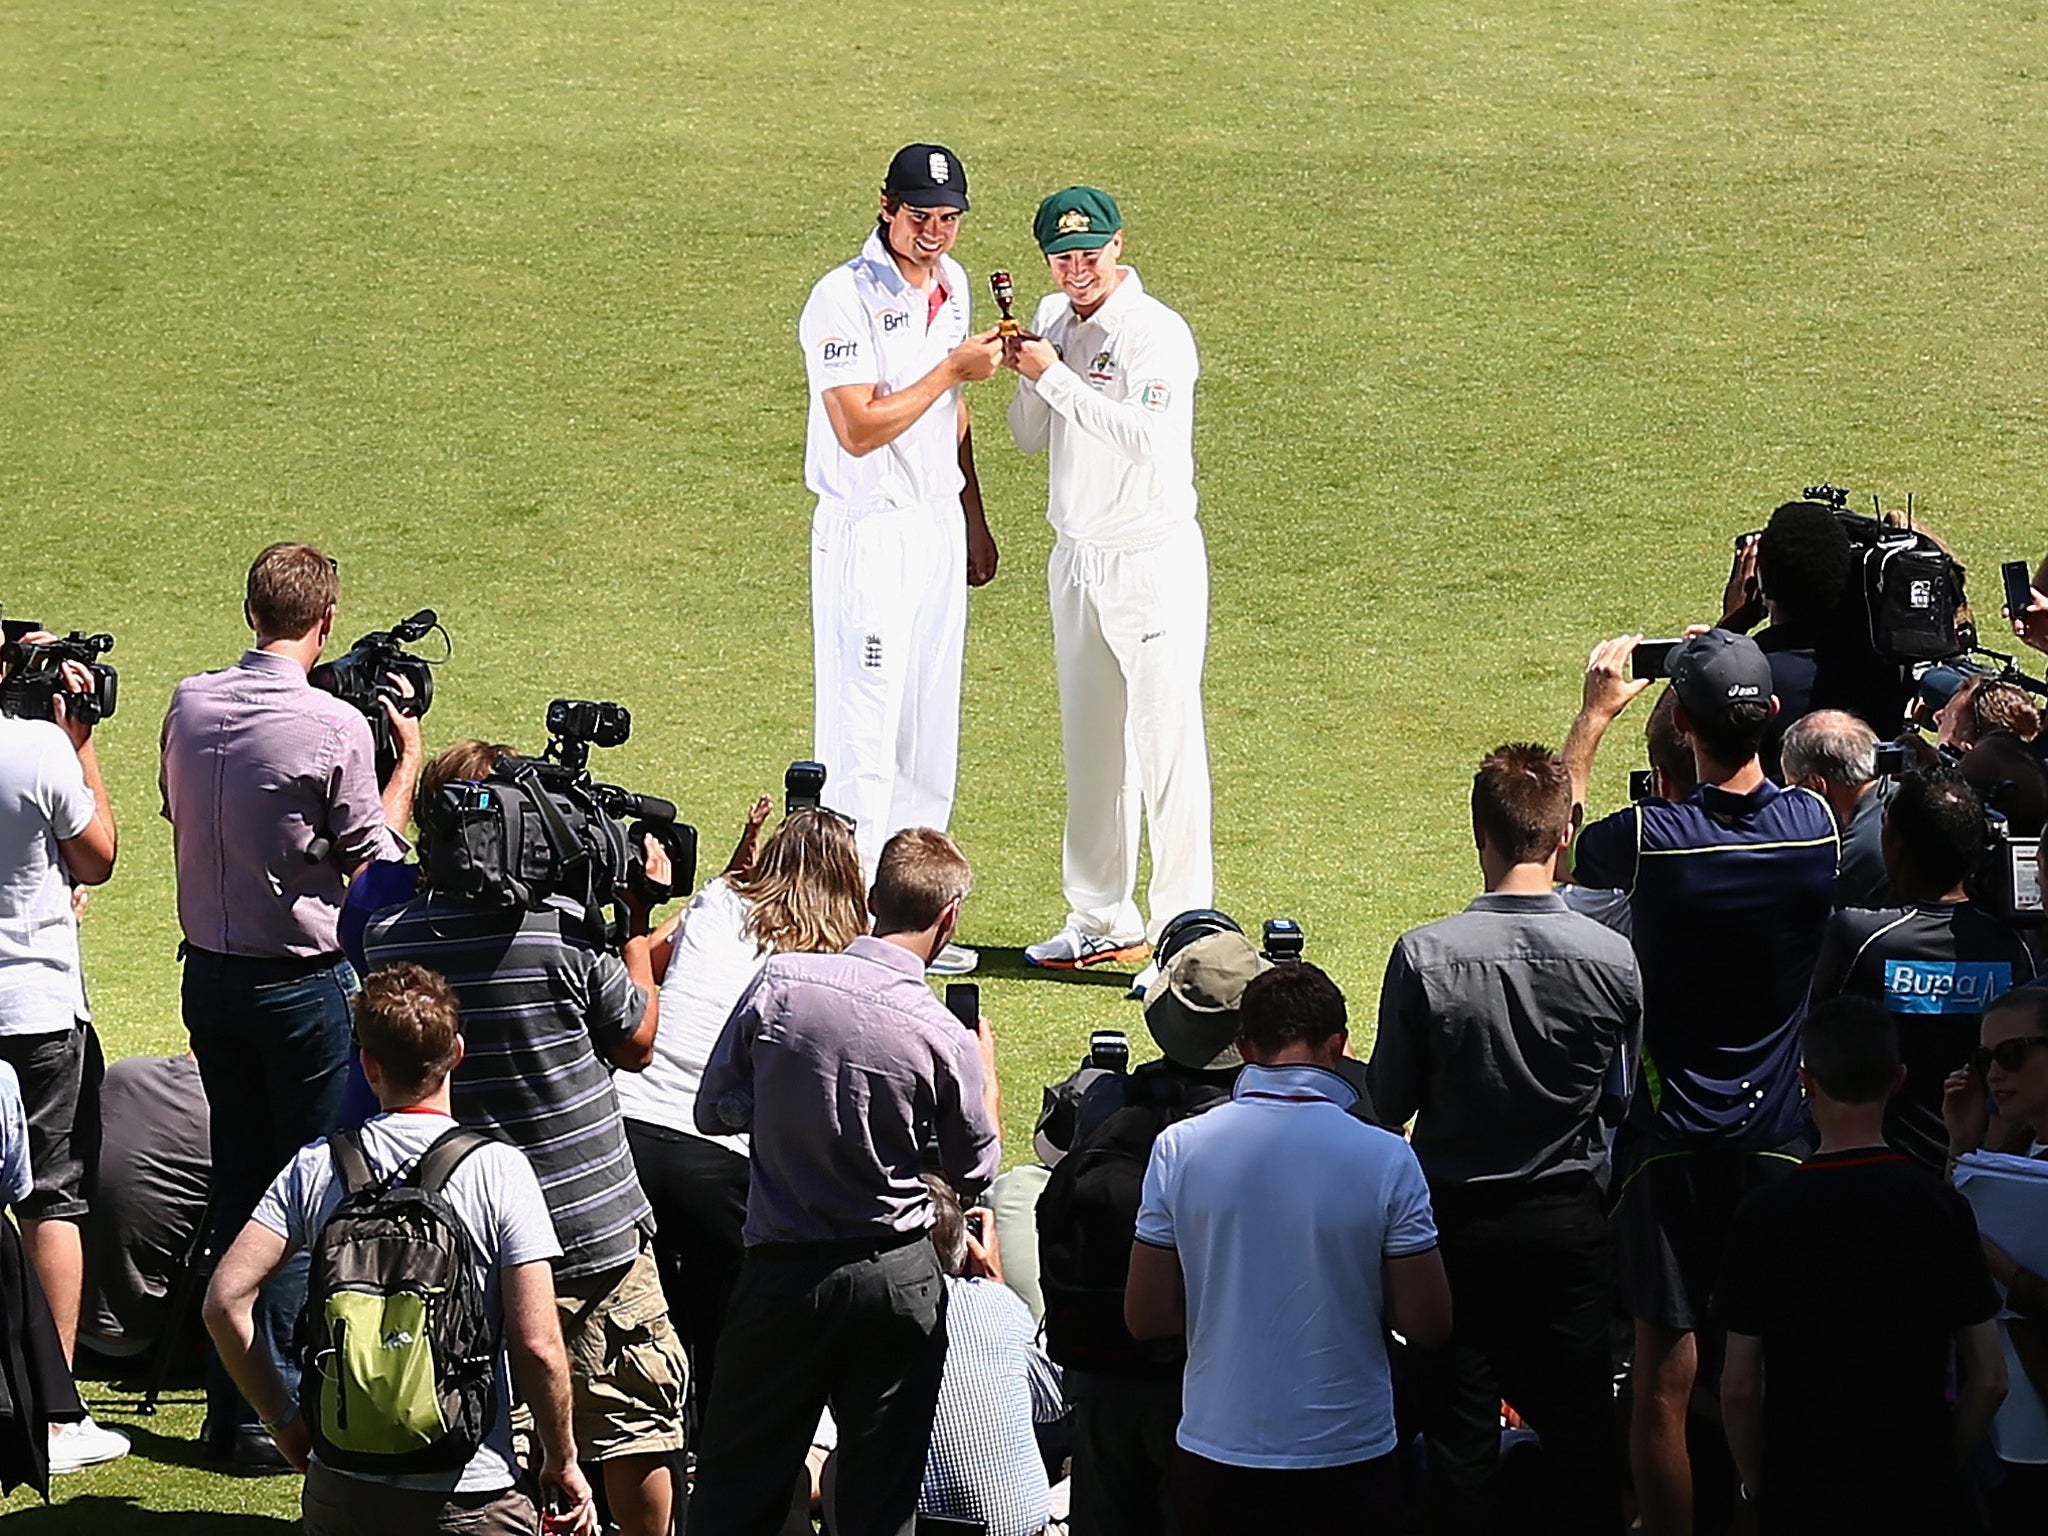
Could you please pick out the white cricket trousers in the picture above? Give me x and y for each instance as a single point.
(888, 631)
(1130, 630)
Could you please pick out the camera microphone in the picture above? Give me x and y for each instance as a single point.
(318, 849)
(416, 628)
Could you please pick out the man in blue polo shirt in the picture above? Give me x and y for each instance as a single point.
(1729, 892)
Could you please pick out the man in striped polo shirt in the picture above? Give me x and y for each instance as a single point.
(1729, 891)
(544, 1012)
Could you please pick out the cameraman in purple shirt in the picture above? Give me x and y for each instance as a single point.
(271, 791)
(844, 1068)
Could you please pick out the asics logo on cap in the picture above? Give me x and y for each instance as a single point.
(941, 173)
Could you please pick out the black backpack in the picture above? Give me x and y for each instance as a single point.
(1907, 590)
(1087, 1216)
(397, 1357)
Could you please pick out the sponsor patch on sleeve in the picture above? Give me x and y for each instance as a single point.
(1155, 395)
(838, 352)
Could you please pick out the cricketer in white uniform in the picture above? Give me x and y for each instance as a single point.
(1109, 395)
(899, 534)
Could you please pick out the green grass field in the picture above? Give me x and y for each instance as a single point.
(1511, 318)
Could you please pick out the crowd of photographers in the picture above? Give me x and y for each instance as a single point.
(1713, 1191)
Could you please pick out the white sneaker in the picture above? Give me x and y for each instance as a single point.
(1142, 982)
(1070, 950)
(953, 960)
(84, 1444)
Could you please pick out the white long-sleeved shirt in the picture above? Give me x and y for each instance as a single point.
(1116, 416)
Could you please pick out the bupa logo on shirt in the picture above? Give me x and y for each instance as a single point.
(1944, 986)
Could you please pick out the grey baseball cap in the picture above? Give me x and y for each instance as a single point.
(1717, 670)
(1191, 1009)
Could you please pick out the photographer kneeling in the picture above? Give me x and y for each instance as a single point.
(544, 1010)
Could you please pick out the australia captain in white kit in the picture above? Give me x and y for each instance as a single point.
(1108, 394)
(899, 534)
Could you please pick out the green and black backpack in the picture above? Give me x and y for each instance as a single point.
(397, 1358)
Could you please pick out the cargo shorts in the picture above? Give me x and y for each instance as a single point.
(627, 1371)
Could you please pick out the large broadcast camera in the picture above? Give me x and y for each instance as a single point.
(543, 827)
(361, 678)
(36, 674)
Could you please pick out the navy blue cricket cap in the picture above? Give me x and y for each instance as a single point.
(1715, 671)
(927, 176)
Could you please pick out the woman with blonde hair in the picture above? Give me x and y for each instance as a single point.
(801, 892)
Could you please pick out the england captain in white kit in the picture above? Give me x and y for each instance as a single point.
(1108, 394)
(899, 534)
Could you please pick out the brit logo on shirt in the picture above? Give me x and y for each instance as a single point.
(837, 349)
(1944, 986)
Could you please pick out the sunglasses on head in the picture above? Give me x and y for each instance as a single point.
(2010, 1055)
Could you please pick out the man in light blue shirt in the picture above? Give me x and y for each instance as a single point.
(1283, 1237)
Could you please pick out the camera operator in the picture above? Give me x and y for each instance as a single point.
(545, 1014)
(56, 830)
(1834, 754)
(1802, 573)
(272, 797)
(1935, 960)
(1729, 891)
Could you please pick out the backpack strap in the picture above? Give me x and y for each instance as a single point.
(345, 1148)
(439, 1162)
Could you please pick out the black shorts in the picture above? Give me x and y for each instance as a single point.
(60, 1075)
(1671, 1218)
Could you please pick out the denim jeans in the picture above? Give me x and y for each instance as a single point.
(272, 1039)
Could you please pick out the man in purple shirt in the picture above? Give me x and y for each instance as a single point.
(271, 791)
(845, 1068)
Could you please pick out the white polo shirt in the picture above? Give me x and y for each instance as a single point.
(864, 324)
(1282, 1207)
(1117, 414)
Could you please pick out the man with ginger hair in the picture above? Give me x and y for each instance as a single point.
(270, 787)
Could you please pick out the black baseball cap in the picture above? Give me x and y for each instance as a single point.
(1717, 670)
(927, 176)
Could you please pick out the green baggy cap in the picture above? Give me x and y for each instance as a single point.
(1077, 219)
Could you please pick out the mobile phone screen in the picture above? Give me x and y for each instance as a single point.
(964, 999)
(1652, 658)
(2019, 588)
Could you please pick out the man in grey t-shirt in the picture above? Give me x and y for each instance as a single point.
(405, 1018)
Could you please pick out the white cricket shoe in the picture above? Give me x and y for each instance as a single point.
(954, 960)
(84, 1444)
(1142, 982)
(1070, 950)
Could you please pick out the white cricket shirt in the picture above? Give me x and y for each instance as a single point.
(864, 324)
(1116, 415)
